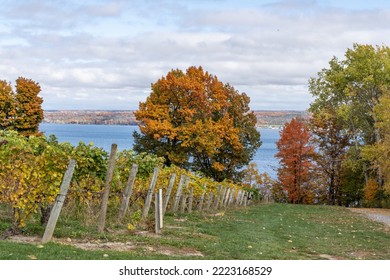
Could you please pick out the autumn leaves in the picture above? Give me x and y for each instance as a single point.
(20, 110)
(341, 155)
(195, 121)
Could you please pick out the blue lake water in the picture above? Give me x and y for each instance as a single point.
(104, 135)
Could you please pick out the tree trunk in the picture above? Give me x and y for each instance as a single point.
(45, 214)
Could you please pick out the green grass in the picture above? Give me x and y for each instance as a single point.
(267, 231)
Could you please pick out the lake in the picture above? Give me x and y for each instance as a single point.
(104, 135)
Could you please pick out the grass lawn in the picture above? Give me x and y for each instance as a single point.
(265, 231)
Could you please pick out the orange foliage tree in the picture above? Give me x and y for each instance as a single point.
(195, 121)
(295, 154)
(21, 110)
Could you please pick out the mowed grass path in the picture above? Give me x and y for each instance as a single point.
(265, 231)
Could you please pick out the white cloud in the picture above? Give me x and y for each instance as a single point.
(107, 53)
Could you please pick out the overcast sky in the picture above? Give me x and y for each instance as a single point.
(105, 54)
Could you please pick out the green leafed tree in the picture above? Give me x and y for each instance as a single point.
(351, 89)
(195, 121)
(332, 143)
(379, 152)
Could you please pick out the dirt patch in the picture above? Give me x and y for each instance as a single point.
(171, 251)
(362, 255)
(25, 239)
(114, 246)
(329, 257)
(358, 255)
(375, 214)
(174, 227)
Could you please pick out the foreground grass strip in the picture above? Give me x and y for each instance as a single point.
(280, 231)
(267, 231)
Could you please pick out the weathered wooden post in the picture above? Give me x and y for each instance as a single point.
(226, 198)
(178, 193)
(160, 208)
(184, 197)
(200, 205)
(149, 195)
(218, 196)
(190, 200)
(183, 203)
(209, 200)
(107, 186)
(222, 196)
(55, 212)
(232, 196)
(158, 211)
(169, 190)
(238, 197)
(242, 198)
(128, 191)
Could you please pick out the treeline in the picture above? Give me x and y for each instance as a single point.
(341, 156)
(90, 117)
(118, 117)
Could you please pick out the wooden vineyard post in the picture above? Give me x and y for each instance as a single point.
(190, 200)
(160, 208)
(128, 191)
(184, 197)
(242, 198)
(227, 195)
(169, 190)
(238, 198)
(209, 200)
(221, 199)
(149, 196)
(156, 217)
(232, 195)
(55, 212)
(217, 197)
(178, 193)
(183, 203)
(107, 186)
(200, 205)
(158, 203)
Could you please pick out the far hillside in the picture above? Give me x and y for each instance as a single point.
(264, 118)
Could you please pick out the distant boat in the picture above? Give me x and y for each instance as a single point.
(274, 127)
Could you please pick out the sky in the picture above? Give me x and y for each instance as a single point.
(104, 55)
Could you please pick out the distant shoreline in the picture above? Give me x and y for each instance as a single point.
(265, 118)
